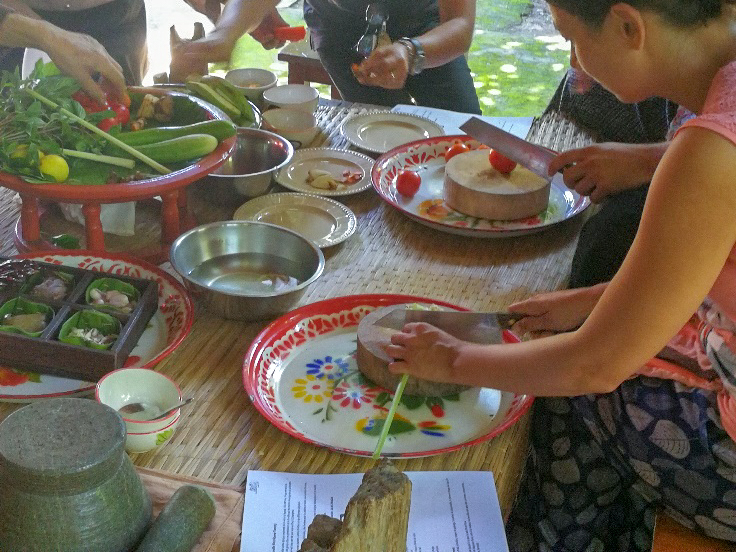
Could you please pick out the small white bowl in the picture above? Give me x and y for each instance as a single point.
(143, 442)
(252, 82)
(296, 96)
(299, 127)
(153, 389)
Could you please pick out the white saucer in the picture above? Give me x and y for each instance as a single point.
(294, 175)
(381, 131)
(324, 221)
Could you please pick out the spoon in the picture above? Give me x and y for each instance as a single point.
(132, 408)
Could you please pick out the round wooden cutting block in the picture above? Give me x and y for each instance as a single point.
(474, 187)
(373, 361)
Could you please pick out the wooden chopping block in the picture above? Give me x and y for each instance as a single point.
(373, 361)
(475, 188)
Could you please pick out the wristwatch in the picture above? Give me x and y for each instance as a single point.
(416, 54)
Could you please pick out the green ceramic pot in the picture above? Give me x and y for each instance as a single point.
(66, 483)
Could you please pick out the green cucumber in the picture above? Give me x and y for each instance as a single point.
(182, 521)
(216, 127)
(180, 149)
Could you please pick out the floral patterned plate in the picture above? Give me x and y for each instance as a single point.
(166, 330)
(301, 374)
(427, 157)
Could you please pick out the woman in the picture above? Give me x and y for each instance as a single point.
(428, 66)
(638, 433)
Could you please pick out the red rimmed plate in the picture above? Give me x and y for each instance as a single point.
(301, 374)
(167, 329)
(427, 206)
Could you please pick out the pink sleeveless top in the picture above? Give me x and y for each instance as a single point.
(710, 336)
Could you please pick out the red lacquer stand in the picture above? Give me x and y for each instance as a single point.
(175, 216)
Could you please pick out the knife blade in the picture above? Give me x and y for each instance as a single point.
(533, 157)
(477, 327)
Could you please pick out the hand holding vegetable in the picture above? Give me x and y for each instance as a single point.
(77, 55)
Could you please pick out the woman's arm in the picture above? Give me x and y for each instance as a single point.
(388, 66)
(238, 18)
(687, 231)
(600, 170)
(78, 55)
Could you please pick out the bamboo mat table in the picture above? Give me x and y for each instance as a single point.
(221, 435)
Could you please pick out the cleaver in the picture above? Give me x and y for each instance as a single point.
(476, 327)
(533, 157)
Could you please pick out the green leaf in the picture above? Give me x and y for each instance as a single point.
(65, 241)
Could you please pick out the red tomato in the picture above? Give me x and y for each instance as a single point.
(483, 146)
(407, 182)
(107, 124)
(501, 163)
(122, 114)
(455, 149)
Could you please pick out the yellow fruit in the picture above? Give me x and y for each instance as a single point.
(55, 166)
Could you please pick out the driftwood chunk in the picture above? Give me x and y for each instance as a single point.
(376, 518)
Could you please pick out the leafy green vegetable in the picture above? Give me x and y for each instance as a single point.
(27, 127)
(65, 241)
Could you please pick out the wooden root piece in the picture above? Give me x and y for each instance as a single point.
(473, 187)
(376, 518)
(373, 361)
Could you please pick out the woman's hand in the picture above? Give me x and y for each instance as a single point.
(264, 33)
(387, 67)
(558, 311)
(424, 351)
(81, 57)
(604, 169)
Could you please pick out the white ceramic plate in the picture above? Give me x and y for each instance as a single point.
(167, 328)
(381, 131)
(324, 221)
(294, 175)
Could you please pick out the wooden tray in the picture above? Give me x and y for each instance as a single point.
(45, 353)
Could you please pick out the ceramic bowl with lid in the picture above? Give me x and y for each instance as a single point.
(65, 479)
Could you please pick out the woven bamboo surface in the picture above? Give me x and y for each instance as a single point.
(221, 436)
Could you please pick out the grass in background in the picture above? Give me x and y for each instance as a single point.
(516, 65)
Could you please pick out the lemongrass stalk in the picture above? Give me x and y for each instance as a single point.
(108, 159)
(132, 151)
(390, 416)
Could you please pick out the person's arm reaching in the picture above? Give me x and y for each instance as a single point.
(388, 66)
(77, 55)
(608, 168)
(238, 18)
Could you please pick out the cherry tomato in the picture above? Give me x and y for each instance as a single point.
(455, 149)
(122, 114)
(501, 163)
(407, 182)
(483, 146)
(107, 124)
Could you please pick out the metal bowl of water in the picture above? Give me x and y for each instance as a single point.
(246, 270)
(248, 172)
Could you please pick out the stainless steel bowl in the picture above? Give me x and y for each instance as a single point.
(248, 172)
(246, 270)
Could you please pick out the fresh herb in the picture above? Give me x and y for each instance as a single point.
(65, 241)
